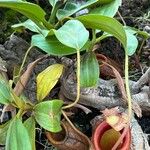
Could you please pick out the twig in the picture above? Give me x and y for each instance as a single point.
(143, 80)
(25, 76)
(140, 49)
(121, 18)
(24, 60)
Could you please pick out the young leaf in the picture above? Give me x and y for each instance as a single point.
(132, 43)
(69, 35)
(20, 102)
(48, 115)
(30, 126)
(17, 136)
(30, 10)
(106, 24)
(3, 132)
(47, 79)
(5, 92)
(107, 10)
(89, 73)
(30, 25)
(72, 7)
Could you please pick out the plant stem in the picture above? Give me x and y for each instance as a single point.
(101, 38)
(53, 15)
(20, 113)
(129, 101)
(48, 25)
(127, 87)
(61, 21)
(94, 36)
(71, 124)
(78, 82)
(93, 40)
(24, 60)
(54, 11)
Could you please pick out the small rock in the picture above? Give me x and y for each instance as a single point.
(147, 29)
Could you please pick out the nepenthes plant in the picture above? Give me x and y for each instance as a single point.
(72, 27)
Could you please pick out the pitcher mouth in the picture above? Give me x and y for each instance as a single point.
(99, 131)
(58, 138)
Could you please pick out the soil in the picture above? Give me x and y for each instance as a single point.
(13, 48)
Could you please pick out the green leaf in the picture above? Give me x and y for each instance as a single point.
(17, 136)
(107, 10)
(48, 115)
(30, 25)
(132, 43)
(51, 45)
(106, 24)
(71, 8)
(30, 10)
(89, 73)
(47, 79)
(3, 132)
(5, 92)
(30, 126)
(69, 35)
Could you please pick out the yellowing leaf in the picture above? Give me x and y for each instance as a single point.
(47, 79)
